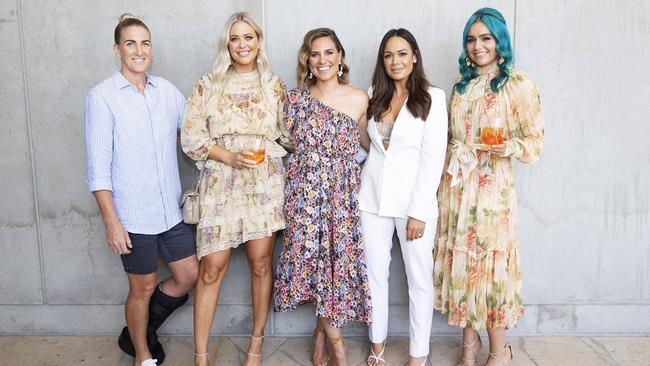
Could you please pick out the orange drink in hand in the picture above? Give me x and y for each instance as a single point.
(492, 136)
(256, 153)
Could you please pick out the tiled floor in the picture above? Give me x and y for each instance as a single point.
(539, 351)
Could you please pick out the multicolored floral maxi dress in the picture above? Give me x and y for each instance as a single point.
(322, 260)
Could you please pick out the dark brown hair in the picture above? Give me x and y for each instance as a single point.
(302, 70)
(127, 20)
(383, 87)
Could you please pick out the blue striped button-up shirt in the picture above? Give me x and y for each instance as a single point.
(131, 150)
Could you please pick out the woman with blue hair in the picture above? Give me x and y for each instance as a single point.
(495, 116)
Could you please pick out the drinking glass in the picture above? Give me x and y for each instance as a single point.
(493, 135)
(256, 153)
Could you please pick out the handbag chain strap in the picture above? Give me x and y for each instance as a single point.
(197, 183)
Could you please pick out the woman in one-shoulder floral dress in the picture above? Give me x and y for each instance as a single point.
(322, 260)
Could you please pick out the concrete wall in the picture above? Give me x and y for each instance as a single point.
(583, 207)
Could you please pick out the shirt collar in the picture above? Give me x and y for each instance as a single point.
(122, 82)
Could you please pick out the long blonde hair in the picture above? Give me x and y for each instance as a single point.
(223, 69)
(302, 70)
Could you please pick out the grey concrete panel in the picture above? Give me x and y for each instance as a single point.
(593, 319)
(236, 285)
(109, 320)
(20, 282)
(237, 320)
(617, 319)
(585, 204)
(79, 37)
(228, 320)
(79, 266)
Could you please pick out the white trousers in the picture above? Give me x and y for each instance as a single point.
(418, 263)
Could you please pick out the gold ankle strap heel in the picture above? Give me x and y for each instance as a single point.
(494, 355)
(470, 346)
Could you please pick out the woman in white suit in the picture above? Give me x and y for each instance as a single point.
(408, 132)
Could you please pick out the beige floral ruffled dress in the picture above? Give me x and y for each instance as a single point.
(236, 205)
(477, 277)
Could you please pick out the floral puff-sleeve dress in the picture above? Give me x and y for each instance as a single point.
(477, 278)
(236, 205)
(322, 260)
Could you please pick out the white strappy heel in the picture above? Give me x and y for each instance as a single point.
(377, 358)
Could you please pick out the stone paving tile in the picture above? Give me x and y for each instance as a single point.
(443, 351)
(270, 347)
(529, 351)
(554, 351)
(626, 351)
(58, 351)
(298, 350)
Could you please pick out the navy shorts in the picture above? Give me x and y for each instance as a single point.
(174, 244)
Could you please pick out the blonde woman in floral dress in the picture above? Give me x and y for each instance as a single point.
(477, 278)
(241, 200)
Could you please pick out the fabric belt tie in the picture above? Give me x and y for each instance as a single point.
(463, 158)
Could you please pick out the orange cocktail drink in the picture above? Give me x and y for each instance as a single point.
(492, 136)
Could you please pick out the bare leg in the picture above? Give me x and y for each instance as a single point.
(336, 343)
(260, 261)
(500, 353)
(319, 356)
(212, 269)
(136, 311)
(471, 347)
(184, 275)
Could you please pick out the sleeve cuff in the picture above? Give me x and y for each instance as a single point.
(418, 216)
(208, 147)
(100, 184)
(512, 147)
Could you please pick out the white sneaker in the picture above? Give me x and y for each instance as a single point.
(149, 362)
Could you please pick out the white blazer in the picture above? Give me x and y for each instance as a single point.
(402, 181)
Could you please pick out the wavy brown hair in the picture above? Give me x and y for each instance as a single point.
(302, 70)
(383, 87)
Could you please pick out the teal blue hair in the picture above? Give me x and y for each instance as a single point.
(495, 22)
